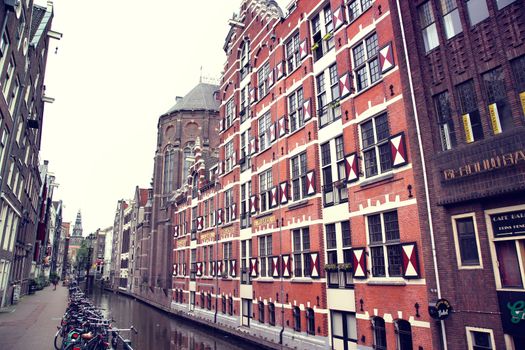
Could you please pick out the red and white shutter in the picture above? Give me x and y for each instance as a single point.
(253, 204)
(398, 148)
(219, 216)
(234, 159)
(233, 268)
(253, 145)
(273, 134)
(386, 58)
(273, 196)
(351, 167)
(254, 267)
(220, 166)
(307, 109)
(253, 95)
(310, 183)
(314, 265)
(271, 78)
(338, 17)
(175, 270)
(303, 49)
(282, 127)
(233, 212)
(284, 192)
(199, 223)
(176, 231)
(275, 266)
(221, 124)
(410, 260)
(359, 263)
(279, 70)
(184, 272)
(345, 85)
(286, 266)
(213, 268)
(198, 273)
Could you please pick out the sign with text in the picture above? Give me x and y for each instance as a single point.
(512, 308)
(510, 223)
(441, 310)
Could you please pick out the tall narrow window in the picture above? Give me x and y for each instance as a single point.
(262, 79)
(404, 335)
(366, 62)
(428, 26)
(479, 339)
(271, 314)
(518, 71)
(383, 230)
(295, 109)
(245, 157)
(264, 123)
(261, 312)
(466, 240)
(379, 333)
(4, 48)
(377, 155)
(229, 113)
(327, 96)
(265, 255)
(265, 185)
(310, 321)
(229, 159)
(499, 108)
(451, 20)
(469, 111)
(8, 79)
(292, 53)
(169, 158)
(301, 250)
(322, 29)
(188, 159)
(298, 170)
(296, 313)
(477, 11)
(245, 61)
(444, 120)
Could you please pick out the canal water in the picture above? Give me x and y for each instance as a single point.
(158, 330)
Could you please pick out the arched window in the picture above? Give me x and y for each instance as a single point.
(195, 186)
(169, 158)
(261, 311)
(188, 161)
(404, 335)
(379, 333)
(297, 318)
(245, 58)
(310, 321)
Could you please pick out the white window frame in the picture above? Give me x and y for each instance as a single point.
(370, 62)
(362, 6)
(375, 146)
(304, 253)
(262, 80)
(453, 219)
(263, 127)
(430, 30)
(300, 176)
(265, 185)
(229, 160)
(296, 99)
(291, 51)
(265, 255)
(449, 18)
(384, 245)
(8, 80)
(469, 330)
(245, 150)
(326, 27)
(229, 111)
(327, 90)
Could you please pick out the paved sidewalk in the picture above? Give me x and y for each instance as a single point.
(31, 324)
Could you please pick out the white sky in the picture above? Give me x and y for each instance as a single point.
(118, 67)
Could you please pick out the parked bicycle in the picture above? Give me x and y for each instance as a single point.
(83, 327)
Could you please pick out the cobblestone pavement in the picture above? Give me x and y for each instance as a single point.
(31, 324)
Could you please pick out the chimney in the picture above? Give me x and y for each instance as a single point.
(178, 99)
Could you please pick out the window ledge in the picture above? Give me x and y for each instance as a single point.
(301, 280)
(376, 179)
(265, 214)
(297, 205)
(265, 280)
(394, 281)
(226, 225)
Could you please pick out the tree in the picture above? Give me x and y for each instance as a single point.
(82, 257)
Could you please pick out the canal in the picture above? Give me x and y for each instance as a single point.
(158, 330)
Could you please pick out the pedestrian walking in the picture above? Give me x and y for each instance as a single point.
(54, 278)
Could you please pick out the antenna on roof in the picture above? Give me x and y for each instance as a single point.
(200, 78)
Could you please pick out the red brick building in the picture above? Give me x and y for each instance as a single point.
(313, 218)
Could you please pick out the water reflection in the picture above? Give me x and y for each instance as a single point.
(158, 330)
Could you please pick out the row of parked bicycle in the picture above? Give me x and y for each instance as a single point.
(83, 327)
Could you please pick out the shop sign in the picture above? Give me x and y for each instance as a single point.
(267, 220)
(441, 310)
(495, 162)
(512, 308)
(508, 224)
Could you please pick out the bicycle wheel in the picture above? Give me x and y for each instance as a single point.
(58, 342)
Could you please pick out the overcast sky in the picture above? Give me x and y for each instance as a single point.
(118, 67)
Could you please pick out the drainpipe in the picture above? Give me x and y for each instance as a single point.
(425, 177)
